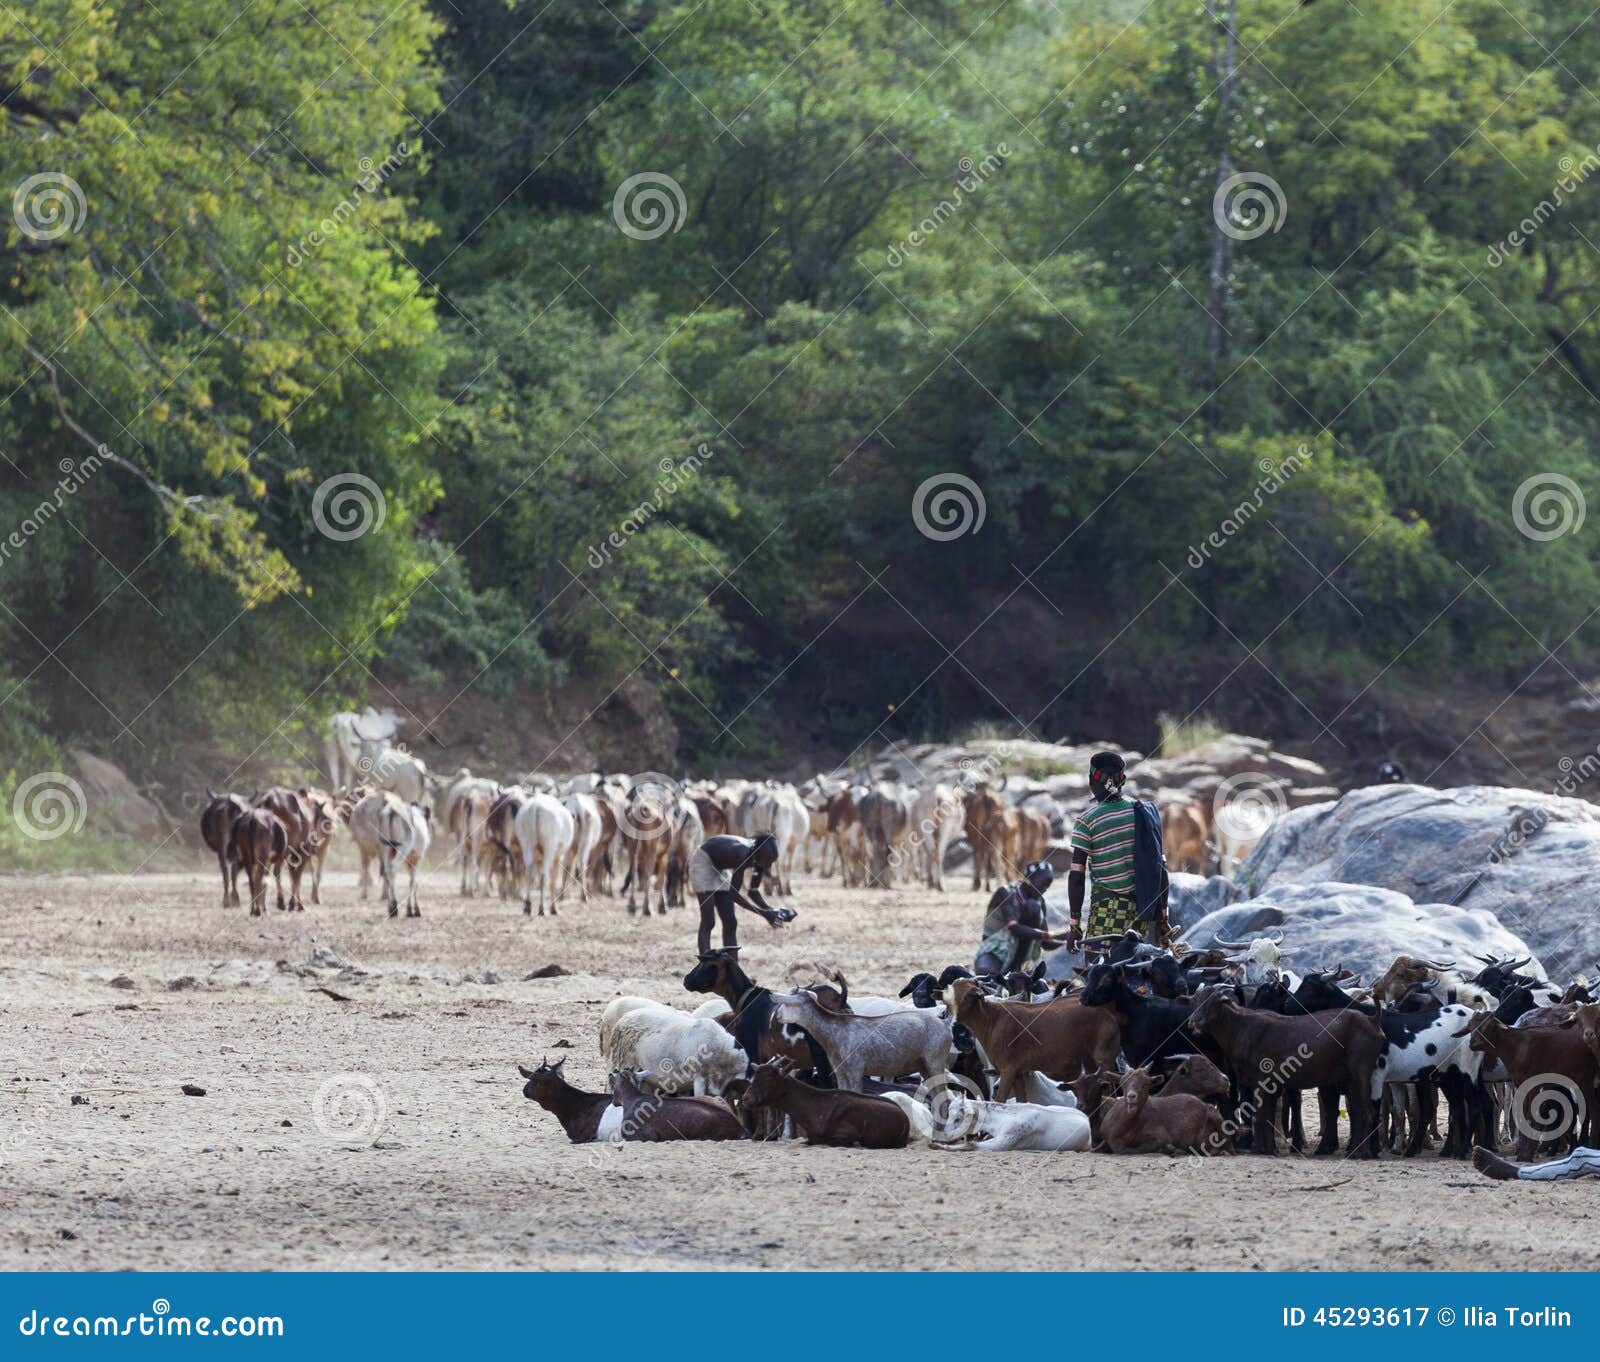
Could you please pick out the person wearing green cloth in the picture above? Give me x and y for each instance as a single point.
(1103, 843)
(1014, 927)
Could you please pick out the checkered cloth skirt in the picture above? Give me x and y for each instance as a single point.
(1112, 914)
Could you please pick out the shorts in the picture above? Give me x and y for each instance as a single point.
(704, 877)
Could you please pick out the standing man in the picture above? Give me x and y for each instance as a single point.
(1114, 841)
(716, 874)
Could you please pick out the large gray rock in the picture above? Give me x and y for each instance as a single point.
(1191, 897)
(1531, 860)
(1361, 927)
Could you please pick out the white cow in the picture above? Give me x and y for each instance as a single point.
(585, 813)
(347, 730)
(544, 829)
(390, 766)
(404, 831)
(938, 818)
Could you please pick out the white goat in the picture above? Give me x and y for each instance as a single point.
(913, 1041)
(1015, 1125)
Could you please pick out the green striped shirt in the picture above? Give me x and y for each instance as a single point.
(1105, 834)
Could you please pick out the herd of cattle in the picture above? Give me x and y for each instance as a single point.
(1146, 1051)
(537, 837)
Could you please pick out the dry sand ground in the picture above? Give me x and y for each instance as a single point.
(424, 1154)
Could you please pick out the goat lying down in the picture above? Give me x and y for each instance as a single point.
(995, 1126)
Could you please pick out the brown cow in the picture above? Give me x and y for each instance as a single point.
(216, 830)
(294, 812)
(648, 824)
(469, 820)
(259, 843)
(324, 821)
(500, 853)
(1033, 837)
(1184, 834)
(992, 833)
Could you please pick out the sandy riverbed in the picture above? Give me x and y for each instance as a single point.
(390, 1130)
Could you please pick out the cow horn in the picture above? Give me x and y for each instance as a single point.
(526, 1073)
(1276, 940)
(1436, 964)
(212, 794)
(1230, 945)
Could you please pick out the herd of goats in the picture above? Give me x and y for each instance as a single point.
(1201, 1050)
(1197, 1051)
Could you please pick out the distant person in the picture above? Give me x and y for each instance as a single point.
(716, 874)
(1391, 773)
(1581, 1163)
(1015, 929)
(1117, 842)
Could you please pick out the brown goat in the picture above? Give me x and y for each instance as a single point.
(1534, 1053)
(1404, 972)
(651, 1116)
(1137, 1123)
(1060, 1039)
(216, 831)
(827, 1116)
(579, 1112)
(258, 843)
(1197, 1076)
(1270, 1055)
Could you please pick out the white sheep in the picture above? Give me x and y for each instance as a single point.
(680, 1051)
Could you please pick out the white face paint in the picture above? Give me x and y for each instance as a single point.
(610, 1124)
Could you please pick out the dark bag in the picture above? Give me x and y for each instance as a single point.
(1149, 861)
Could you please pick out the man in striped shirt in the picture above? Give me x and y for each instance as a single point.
(1102, 843)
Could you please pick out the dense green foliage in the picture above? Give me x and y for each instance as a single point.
(930, 238)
